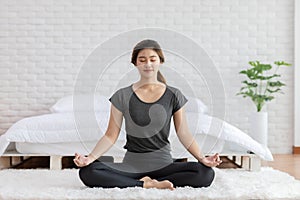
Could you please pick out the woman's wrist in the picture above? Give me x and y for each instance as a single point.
(91, 158)
(200, 158)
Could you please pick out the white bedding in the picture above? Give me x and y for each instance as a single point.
(210, 132)
(69, 148)
(117, 150)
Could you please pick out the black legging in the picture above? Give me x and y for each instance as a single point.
(99, 174)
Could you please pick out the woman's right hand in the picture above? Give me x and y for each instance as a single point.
(81, 160)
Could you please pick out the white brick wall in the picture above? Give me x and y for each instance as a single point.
(43, 44)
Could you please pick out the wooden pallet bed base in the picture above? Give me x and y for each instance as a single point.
(246, 161)
(55, 160)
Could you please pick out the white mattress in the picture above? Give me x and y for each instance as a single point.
(207, 144)
(60, 128)
(67, 148)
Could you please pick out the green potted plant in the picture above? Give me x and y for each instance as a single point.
(261, 85)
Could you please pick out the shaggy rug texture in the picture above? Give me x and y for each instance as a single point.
(228, 184)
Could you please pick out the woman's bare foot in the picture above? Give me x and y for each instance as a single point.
(152, 183)
(146, 178)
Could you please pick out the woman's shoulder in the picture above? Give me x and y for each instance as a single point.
(176, 92)
(123, 91)
(173, 89)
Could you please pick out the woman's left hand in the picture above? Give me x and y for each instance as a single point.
(211, 161)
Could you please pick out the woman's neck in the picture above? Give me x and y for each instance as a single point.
(147, 84)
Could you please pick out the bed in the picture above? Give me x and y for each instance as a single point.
(56, 135)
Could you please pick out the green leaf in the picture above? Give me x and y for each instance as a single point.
(273, 76)
(243, 72)
(242, 88)
(280, 63)
(262, 67)
(269, 98)
(276, 84)
(274, 91)
(247, 93)
(250, 74)
(250, 84)
(254, 63)
(263, 78)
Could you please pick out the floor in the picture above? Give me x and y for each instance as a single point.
(289, 163)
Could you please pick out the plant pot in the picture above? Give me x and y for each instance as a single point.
(259, 127)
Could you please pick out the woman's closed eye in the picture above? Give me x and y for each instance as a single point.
(145, 60)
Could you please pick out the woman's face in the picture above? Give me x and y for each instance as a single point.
(148, 63)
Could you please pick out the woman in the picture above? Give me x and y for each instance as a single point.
(147, 107)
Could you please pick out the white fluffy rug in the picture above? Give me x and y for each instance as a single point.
(228, 184)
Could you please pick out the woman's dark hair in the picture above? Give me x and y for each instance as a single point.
(149, 44)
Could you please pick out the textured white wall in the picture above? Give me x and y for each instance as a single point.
(43, 44)
(297, 76)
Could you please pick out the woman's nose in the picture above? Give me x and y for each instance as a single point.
(148, 63)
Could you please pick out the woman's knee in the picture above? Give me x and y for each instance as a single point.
(87, 174)
(208, 177)
(205, 176)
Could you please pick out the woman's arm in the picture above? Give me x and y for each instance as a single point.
(107, 140)
(189, 142)
(184, 134)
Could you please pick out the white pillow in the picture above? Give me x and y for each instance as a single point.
(195, 105)
(65, 104)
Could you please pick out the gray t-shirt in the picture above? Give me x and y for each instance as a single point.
(147, 125)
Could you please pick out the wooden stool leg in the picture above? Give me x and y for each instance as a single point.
(55, 162)
(245, 162)
(255, 164)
